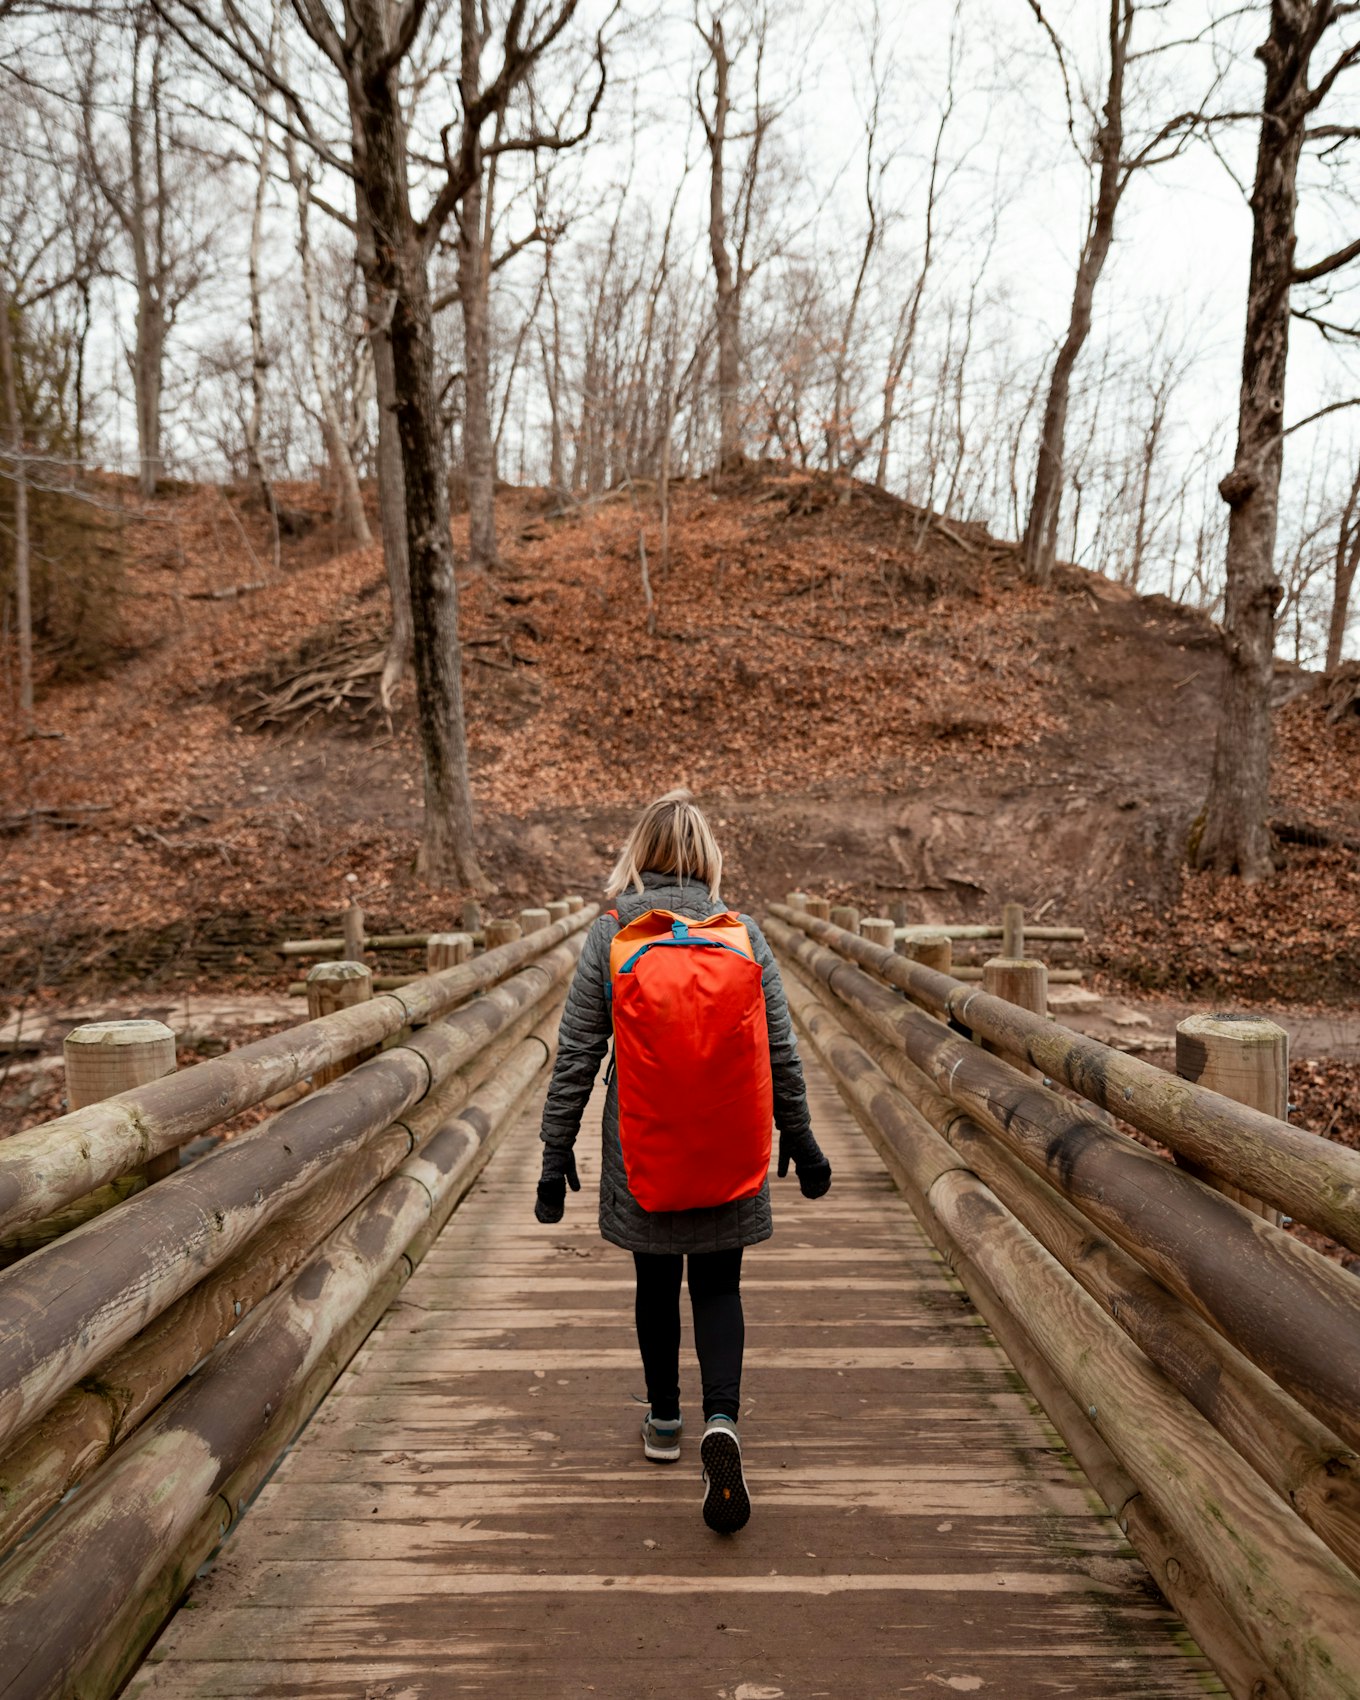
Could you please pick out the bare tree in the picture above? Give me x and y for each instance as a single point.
(144, 178)
(332, 426)
(903, 342)
(368, 48)
(730, 228)
(1114, 170)
(1233, 835)
(1345, 560)
(18, 472)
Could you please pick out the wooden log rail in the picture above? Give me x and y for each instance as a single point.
(49, 1166)
(1311, 1179)
(335, 945)
(259, 1268)
(1202, 1364)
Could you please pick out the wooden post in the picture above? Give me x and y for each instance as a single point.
(898, 910)
(1023, 982)
(931, 950)
(352, 929)
(796, 899)
(845, 915)
(472, 915)
(531, 920)
(501, 932)
(1242, 1057)
(1013, 934)
(818, 908)
(878, 929)
(104, 1058)
(559, 910)
(332, 986)
(446, 950)
(574, 904)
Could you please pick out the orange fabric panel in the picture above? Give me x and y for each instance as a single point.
(692, 1055)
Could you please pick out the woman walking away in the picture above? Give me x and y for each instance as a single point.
(704, 1060)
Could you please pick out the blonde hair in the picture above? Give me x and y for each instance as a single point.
(670, 836)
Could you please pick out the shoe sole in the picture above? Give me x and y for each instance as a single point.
(727, 1504)
(670, 1456)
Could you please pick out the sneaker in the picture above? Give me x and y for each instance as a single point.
(661, 1439)
(727, 1505)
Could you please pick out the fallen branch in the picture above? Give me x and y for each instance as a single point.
(60, 817)
(1314, 837)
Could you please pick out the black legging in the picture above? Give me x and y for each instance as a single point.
(719, 1328)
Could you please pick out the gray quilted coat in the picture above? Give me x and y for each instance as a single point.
(583, 1040)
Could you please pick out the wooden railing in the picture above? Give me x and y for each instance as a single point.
(1202, 1364)
(160, 1356)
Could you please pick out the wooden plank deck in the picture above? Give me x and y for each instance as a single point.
(470, 1512)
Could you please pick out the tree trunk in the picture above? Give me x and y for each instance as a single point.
(14, 430)
(447, 852)
(1233, 836)
(1347, 559)
(727, 283)
(259, 359)
(1041, 530)
(147, 363)
(473, 217)
(475, 306)
(332, 429)
(552, 377)
(391, 505)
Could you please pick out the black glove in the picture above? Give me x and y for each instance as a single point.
(552, 1194)
(814, 1176)
(814, 1179)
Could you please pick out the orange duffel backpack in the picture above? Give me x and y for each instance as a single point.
(692, 1057)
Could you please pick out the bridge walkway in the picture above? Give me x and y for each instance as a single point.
(470, 1513)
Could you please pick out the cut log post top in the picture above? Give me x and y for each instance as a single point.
(104, 1058)
(574, 903)
(558, 910)
(818, 908)
(1019, 980)
(446, 950)
(845, 915)
(531, 920)
(332, 986)
(1311, 1179)
(878, 929)
(931, 950)
(498, 933)
(1242, 1057)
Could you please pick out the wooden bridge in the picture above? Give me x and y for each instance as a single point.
(1031, 1409)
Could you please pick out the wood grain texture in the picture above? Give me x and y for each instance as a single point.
(48, 1166)
(1306, 1465)
(1312, 1179)
(1294, 1313)
(68, 1307)
(470, 1511)
(97, 1580)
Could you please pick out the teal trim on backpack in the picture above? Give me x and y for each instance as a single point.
(671, 944)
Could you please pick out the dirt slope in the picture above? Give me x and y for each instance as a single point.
(869, 704)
